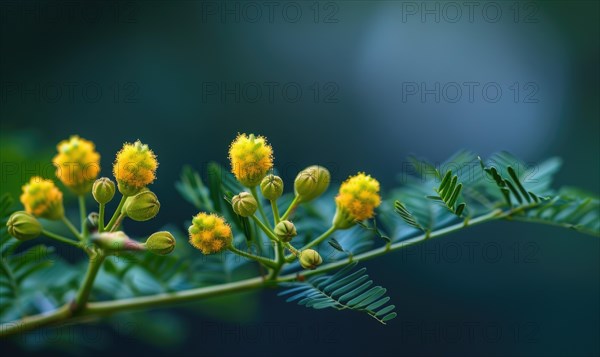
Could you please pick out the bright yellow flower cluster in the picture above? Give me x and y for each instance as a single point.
(42, 198)
(134, 167)
(359, 196)
(77, 164)
(210, 233)
(251, 159)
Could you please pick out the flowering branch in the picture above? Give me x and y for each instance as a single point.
(251, 161)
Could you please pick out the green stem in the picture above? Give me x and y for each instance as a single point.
(494, 215)
(316, 241)
(82, 215)
(60, 238)
(37, 321)
(291, 208)
(116, 214)
(265, 261)
(118, 222)
(260, 206)
(291, 248)
(108, 307)
(101, 209)
(84, 292)
(71, 227)
(264, 228)
(278, 248)
(275, 210)
(153, 301)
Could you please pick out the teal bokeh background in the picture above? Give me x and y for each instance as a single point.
(186, 76)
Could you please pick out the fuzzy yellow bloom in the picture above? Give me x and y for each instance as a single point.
(251, 159)
(357, 199)
(42, 198)
(77, 164)
(210, 233)
(134, 167)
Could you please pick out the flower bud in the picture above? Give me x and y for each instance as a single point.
(311, 183)
(356, 201)
(310, 259)
(251, 157)
(134, 168)
(103, 190)
(91, 222)
(77, 164)
(285, 230)
(141, 207)
(23, 226)
(160, 243)
(210, 233)
(115, 241)
(271, 187)
(42, 198)
(244, 204)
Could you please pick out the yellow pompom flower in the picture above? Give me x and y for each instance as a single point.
(77, 164)
(356, 201)
(42, 198)
(251, 159)
(134, 168)
(210, 233)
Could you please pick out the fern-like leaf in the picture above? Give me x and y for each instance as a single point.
(346, 289)
(407, 216)
(570, 209)
(448, 193)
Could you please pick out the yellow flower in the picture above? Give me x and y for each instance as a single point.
(251, 159)
(42, 198)
(210, 233)
(134, 167)
(357, 199)
(77, 164)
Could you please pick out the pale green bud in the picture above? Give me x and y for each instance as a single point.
(244, 204)
(142, 207)
(271, 187)
(310, 259)
(311, 183)
(103, 190)
(23, 226)
(285, 230)
(161, 243)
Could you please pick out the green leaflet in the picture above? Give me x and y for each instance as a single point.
(449, 191)
(346, 289)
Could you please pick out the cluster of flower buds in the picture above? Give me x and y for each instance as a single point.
(77, 167)
(251, 159)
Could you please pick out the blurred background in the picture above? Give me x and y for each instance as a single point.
(352, 85)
